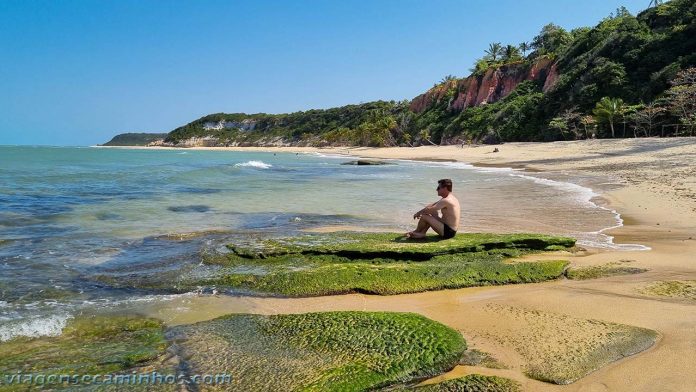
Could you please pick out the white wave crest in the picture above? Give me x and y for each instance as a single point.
(34, 327)
(256, 164)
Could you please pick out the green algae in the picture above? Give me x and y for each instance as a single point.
(601, 271)
(474, 357)
(87, 345)
(319, 351)
(396, 246)
(303, 275)
(685, 289)
(472, 383)
(372, 263)
(379, 263)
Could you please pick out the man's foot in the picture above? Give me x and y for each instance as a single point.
(416, 235)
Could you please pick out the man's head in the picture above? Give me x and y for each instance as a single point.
(444, 187)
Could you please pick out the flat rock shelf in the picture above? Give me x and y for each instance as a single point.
(380, 263)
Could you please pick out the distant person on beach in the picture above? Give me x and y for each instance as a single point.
(447, 225)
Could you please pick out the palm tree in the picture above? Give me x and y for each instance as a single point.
(510, 53)
(608, 109)
(447, 79)
(524, 47)
(494, 50)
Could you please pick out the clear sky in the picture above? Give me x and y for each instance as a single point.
(79, 72)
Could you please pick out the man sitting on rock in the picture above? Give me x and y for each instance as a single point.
(447, 225)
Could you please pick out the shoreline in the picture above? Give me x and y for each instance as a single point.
(479, 157)
(654, 213)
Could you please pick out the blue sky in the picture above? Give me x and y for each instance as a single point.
(79, 72)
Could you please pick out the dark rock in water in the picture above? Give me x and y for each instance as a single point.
(193, 208)
(366, 162)
(107, 216)
(327, 351)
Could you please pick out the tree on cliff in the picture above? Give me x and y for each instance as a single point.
(608, 110)
(511, 53)
(524, 48)
(494, 50)
(551, 39)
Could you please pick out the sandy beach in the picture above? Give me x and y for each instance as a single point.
(525, 323)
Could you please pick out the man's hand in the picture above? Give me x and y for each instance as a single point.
(417, 215)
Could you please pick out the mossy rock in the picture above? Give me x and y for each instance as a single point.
(87, 346)
(685, 289)
(622, 341)
(601, 271)
(561, 349)
(329, 351)
(396, 246)
(329, 275)
(472, 383)
(381, 263)
(372, 263)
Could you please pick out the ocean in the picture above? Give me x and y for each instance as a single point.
(69, 214)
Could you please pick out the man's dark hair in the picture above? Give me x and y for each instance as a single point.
(445, 182)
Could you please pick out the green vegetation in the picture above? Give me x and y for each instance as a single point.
(685, 289)
(393, 245)
(601, 271)
(88, 345)
(379, 264)
(370, 124)
(472, 383)
(135, 139)
(331, 351)
(647, 63)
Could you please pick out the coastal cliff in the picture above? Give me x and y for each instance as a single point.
(135, 139)
(493, 85)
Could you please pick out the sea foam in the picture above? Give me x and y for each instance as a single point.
(34, 327)
(256, 164)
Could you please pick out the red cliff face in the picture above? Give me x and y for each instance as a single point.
(490, 87)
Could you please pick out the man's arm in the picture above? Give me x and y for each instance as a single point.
(431, 208)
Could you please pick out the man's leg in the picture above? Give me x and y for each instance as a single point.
(426, 222)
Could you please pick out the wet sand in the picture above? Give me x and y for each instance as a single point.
(658, 205)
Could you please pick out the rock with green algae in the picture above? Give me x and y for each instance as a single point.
(393, 245)
(471, 383)
(685, 289)
(328, 351)
(561, 349)
(601, 271)
(374, 263)
(101, 345)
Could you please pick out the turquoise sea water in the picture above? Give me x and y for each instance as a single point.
(69, 214)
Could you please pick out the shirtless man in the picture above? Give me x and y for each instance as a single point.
(447, 225)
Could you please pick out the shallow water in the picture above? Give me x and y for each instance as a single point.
(68, 215)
